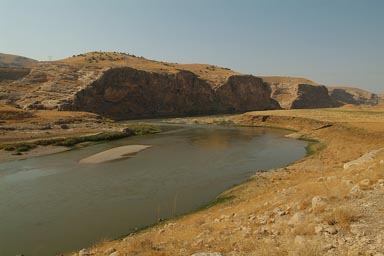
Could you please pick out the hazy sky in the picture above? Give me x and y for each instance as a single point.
(334, 42)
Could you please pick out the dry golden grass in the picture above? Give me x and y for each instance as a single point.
(287, 80)
(343, 217)
(213, 74)
(15, 61)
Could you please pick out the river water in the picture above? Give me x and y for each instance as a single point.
(53, 204)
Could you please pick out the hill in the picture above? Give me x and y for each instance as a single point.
(299, 93)
(355, 96)
(15, 61)
(124, 86)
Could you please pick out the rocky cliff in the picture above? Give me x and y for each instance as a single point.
(124, 86)
(355, 96)
(123, 93)
(298, 93)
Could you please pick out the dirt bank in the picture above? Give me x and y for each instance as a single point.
(312, 207)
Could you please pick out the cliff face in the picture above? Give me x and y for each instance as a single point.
(296, 93)
(123, 93)
(355, 96)
(310, 96)
(242, 93)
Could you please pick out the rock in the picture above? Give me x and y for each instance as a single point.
(328, 247)
(109, 251)
(365, 183)
(64, 126)
(84, 252)
(280, 212)
(380, 182)
(361, 160)
(331, 230)
(318, 229)
(296, 219)
(207, 254)
(319, 202)
(355, 96)
(295, 93)
(300, 241)
(124, 92)
(114, 254)
(355, 190)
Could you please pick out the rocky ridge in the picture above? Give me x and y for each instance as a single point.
(355, 96)
(125, 86)
(299, 93)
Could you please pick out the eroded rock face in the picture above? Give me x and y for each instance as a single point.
(298, 93)
(242, 93)
(310, 96)
(124, 93)
(349, 95)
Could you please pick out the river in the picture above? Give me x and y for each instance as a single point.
(52, 204)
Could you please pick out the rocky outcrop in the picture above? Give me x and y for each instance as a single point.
(355, 96)
(125, 93)
(299, 93)
(242, 93)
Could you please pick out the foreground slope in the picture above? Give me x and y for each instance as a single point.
(329, 203)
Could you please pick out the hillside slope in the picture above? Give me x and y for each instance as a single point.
(15, 61)
(298, 93)
(355, 96)
(123, 86)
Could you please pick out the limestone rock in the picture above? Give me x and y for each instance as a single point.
(297, 219)
(124, 93)
(207, 254)
(84, 252)
(355, 96)
(298, 93)
(319, 202)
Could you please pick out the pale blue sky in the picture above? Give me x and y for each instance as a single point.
(334, 42)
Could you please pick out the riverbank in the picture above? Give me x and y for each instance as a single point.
(312, 207)
(25, 134)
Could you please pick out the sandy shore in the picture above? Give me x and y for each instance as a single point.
(6, 156)
(114, 154)
(316, 206)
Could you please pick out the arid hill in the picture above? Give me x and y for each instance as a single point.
(299, 93)
(125, 86)
(355, 96)
(15, 61)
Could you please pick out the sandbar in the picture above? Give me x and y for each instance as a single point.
(114, 154)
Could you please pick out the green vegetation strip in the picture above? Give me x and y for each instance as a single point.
(134, 129)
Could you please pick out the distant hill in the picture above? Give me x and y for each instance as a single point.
(355, 96)
(15, 61)
(295, 92)
(124, 86)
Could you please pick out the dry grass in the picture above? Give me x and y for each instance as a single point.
(213, 74)
(343, 217)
